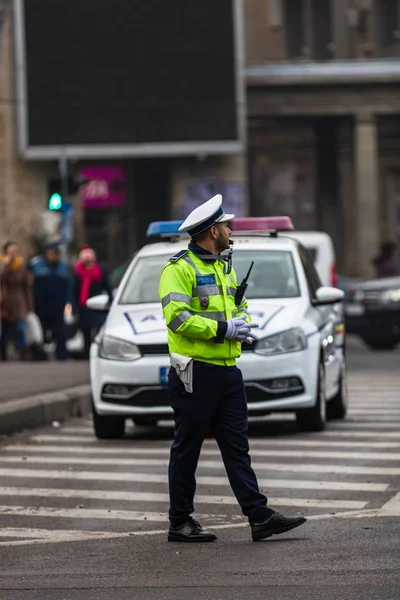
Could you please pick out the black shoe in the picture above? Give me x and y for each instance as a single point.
(276, 524)
(191, 531)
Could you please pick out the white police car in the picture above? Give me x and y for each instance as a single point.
(298, 364)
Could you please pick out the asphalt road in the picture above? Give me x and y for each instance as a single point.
(84, 520)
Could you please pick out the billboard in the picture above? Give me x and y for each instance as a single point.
(129, 77)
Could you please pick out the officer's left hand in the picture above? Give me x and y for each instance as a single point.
(245, 335)
(250, 338)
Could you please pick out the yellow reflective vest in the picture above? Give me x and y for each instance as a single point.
(195, 296)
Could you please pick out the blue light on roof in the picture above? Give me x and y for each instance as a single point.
(164, 228)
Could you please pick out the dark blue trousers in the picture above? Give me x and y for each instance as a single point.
(218, 404)
(55, 325)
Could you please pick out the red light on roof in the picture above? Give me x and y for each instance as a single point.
(262, 224)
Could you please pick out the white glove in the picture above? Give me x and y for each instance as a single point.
(234, 327)
(246, 335)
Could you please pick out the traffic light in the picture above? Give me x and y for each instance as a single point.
(55, 201)
(55, 197)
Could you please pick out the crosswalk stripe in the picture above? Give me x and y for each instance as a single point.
(393, 506)
(361, 434)
(373, 411)
(83, 513)
(142, 477)
(328, 432)
(210, 452)
(363, 425)
(213, 480)
(264, 453)
(98, 513)
(257, 442)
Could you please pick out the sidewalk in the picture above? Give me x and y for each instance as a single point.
(35, 394)
(19, 380)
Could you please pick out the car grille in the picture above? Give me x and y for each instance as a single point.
(144, 398)
(152, 349)
(162, 349)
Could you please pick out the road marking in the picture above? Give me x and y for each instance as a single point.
(254, 444)
(164, 497)
(392, 508)
(155, 478)
(359, 434)
(128, 515)
(44, 536)
(363, 425)
(254, 452)
(381, 412)
(218, 481)
(71, 475)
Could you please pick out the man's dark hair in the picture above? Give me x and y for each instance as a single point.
(8, 244)
(200, 237)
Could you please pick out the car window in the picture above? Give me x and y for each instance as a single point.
(313, 279)
(273, 276)
(313, 252)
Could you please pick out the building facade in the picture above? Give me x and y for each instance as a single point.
(323, 130)
(323, 100)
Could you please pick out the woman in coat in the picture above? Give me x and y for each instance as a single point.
(90, 280)
(15, 300)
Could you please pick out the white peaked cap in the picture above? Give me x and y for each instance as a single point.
(205, 216)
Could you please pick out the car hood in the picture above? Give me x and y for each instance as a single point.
(378, 284)
(145, 323)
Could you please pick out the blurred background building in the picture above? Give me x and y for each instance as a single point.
(320, 88)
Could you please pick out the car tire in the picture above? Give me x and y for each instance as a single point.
(314, 418)
(108, 427)
(384, 344)
(145, 421)
(337, 406)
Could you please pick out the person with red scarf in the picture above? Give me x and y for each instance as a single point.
(90, 280)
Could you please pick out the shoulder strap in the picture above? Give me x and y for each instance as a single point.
(178, 255)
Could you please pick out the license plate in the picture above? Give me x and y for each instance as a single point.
(354, 310)
(164, 375)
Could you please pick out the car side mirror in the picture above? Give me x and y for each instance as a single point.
(327, 295)
(99, 303)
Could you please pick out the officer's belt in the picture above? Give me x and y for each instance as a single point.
(200, 363)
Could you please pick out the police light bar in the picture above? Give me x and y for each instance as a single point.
(262, 224)
(165, 229)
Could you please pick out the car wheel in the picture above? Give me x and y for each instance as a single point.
(337, 406)
(314, 418)
(384, 344)
(145, 420)
(108, 427)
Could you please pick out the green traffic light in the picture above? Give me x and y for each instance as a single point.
(55, 202)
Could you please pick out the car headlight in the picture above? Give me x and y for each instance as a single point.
(291, 340)
(391, 295)
(112, 348)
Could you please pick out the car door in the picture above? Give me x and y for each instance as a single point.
(325, 318)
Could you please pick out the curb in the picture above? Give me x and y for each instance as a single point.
(36, 411)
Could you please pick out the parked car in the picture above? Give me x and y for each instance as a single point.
(372, 311)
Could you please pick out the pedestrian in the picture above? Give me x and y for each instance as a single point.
(90, 280)
(16, 301)
(385, 261)
(207, 323)
(52, 289)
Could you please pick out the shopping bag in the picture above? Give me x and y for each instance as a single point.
(33, 330)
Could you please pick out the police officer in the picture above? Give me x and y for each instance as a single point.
(205, 331)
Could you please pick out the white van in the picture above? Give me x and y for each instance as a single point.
(320, 246)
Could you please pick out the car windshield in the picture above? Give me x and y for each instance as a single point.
(273, 276)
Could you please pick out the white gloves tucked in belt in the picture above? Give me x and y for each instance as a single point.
(239, 330)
